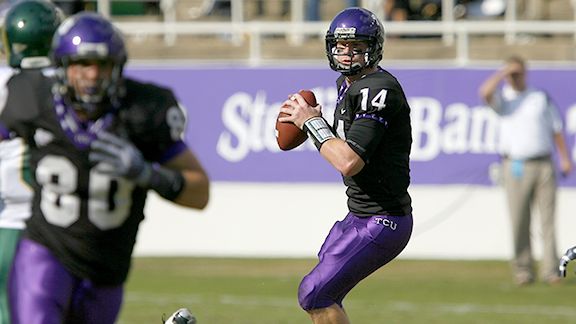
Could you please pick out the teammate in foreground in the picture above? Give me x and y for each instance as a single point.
(26, 35)
(98, 143)
(371, 150)
(566, 258)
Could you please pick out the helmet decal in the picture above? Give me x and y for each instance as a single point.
(345, 32)
(92, 49)
(88, 35)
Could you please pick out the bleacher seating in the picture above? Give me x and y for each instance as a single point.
(244, 37)
(192, 30)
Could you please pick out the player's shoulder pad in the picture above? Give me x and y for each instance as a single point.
(148, 94)
(33, 78)
(27, 88)
(146, 87)
(148, 97)
(379, 80)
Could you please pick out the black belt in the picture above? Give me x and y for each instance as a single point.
(531, 159)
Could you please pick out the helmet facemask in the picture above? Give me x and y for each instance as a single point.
(355, 66)
(88, 94)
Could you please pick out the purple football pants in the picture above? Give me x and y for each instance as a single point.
(42, 291)
(354, 248)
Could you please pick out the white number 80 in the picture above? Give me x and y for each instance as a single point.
(109, 198)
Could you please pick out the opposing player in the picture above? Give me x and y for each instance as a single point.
(565, 259)
(369, 144)
(26, 35)
(98, 143)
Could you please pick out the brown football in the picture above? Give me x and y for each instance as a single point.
(288, 135)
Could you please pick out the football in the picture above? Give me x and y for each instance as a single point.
(288, 135)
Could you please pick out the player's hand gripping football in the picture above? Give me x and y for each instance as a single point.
(120, 158)
(567, 257)
(298, 110)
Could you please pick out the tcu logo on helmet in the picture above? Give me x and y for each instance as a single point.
(95, 49)
(345, 32)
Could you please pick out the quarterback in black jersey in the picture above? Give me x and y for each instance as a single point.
(369, 144)
(98, 143)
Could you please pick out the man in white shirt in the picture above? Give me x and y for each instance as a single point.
(530, 131)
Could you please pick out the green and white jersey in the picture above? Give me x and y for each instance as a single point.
(15, 189)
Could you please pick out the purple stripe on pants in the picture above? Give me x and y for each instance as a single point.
(42, 291)
(354, 248)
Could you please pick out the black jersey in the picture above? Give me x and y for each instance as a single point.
(373, 116)
(89, 220)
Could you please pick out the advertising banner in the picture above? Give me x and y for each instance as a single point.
(232, 112)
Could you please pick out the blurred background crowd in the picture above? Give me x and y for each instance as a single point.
(258, 31)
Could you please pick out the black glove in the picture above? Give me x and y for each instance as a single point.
(567, 257)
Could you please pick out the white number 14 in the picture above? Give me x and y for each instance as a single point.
(379, 100)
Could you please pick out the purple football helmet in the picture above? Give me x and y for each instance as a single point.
(90, 36)
(355, 24)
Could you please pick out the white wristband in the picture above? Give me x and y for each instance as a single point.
(318, 130)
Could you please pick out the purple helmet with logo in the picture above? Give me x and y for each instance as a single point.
(90, 36)
(355, 24)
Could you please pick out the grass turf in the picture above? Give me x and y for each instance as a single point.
(264, 291)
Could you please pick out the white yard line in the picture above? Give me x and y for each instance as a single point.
(402, 306)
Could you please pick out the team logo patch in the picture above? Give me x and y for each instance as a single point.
(386, 223)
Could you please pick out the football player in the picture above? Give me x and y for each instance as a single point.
(98, 142)
(26, 34)
(369, 144)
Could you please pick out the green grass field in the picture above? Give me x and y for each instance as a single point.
(263, 291)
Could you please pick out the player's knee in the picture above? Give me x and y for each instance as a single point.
(306, 294)
(310, 295)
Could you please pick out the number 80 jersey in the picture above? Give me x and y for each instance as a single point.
(89, 220)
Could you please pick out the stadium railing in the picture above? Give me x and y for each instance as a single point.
(458, 32)
(238, 28)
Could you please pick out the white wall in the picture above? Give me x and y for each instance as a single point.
(291, 220)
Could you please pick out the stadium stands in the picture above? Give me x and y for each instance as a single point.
(244, 37)
(193, 30)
